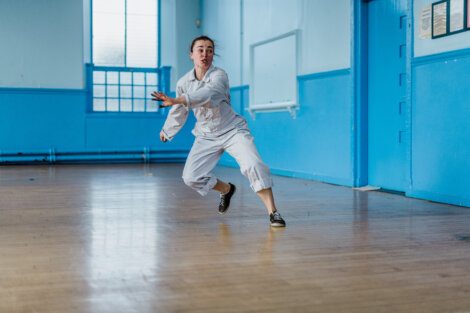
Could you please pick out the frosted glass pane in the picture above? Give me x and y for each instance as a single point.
(139, 92)
(142, 7)
(139, 105)
(142, 33)
(152, 106)
(108, 32)
(139, 78)
(113, 105)
(151, 79)
(112, 78)
(126, 92)
(126, 105)
(98, 91)
(98, 104)
(113, 92)
(141, 41)
(126, 78)
(108, 6)
(98, 77)
(151, 89)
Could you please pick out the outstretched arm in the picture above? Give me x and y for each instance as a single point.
(176, 117)
(167, 101)
(214, 91)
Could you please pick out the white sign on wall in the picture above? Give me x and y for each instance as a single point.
(274, 66)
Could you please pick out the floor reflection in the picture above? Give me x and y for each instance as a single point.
(124, 247)
(225, 235)
(361, 216)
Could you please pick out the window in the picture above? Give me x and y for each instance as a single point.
(125, 56)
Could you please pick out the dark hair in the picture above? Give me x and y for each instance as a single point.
(201, 38)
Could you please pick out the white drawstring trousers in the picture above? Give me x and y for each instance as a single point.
(206, 152)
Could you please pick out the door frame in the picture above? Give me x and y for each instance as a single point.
(359, 80)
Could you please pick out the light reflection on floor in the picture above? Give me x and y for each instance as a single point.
(125, 241)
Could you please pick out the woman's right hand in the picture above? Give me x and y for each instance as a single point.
(162, 136)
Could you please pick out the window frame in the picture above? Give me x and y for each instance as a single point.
(163, 73)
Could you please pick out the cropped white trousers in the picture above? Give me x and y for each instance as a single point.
(206, 152)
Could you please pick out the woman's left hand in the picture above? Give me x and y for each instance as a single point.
(166, 101)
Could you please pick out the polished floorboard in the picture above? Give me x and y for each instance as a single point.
(134, 238)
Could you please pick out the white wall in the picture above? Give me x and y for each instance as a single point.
(41, 44)
(168, 36)
(178, 30)
(86, 31)
(221, 21)
(424, 47)
(187, 12)
(45, 43)
(324, 32)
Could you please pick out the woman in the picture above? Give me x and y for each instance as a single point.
(205, 90)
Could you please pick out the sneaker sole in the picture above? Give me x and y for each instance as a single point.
(278, 225)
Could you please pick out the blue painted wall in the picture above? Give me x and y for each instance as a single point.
(315, 145)
(320, 143)
(34, 122)
(440, 128)
(41, 119)
(440, 131)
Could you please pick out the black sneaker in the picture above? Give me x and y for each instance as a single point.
(276, 220)
(225, 199)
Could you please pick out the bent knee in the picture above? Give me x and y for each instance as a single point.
(189, 181)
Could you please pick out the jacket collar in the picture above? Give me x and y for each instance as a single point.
(206, 76)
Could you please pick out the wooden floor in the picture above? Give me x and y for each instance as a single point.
(134, 238)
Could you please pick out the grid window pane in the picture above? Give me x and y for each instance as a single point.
(98, 105)
(139, 92)
(151, 78)
(152, 106)
(139, 78)
(98, 77)
(126, 105)
(126, 92)
(112, 77)
(113, 105)
(151, 89)
(139, 105)
(114, 96)
(126, 78)
(99, 91)
(113, 91)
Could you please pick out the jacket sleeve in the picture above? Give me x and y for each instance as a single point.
(215, 91)
(176, 118)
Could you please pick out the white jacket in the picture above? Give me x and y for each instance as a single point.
(209, 99)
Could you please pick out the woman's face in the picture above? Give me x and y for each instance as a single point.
(202, 54)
